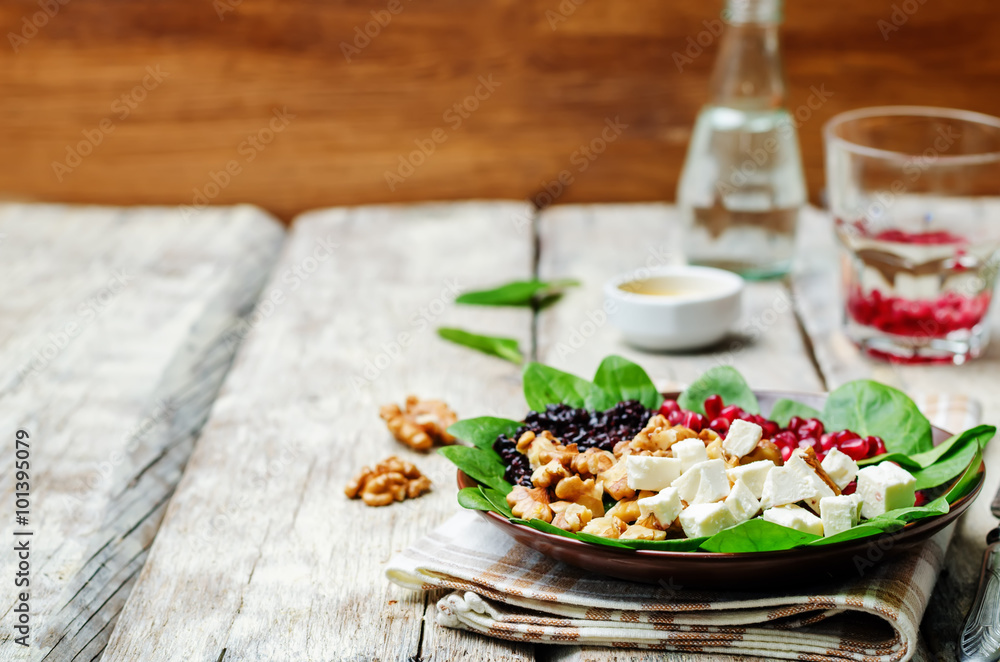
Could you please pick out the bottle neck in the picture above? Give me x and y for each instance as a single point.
(748, 72)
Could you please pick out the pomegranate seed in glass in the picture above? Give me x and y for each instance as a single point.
(915, 194)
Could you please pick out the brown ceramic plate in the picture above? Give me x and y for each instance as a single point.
(736, 571)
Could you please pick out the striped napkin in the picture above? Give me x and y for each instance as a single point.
(503, 589)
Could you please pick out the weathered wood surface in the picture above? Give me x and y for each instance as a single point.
(261, 556)
(819, 296)
(115, 333)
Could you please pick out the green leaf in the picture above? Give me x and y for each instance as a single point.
(483, 431)
(672, 545)
(478, 465)
(860, 531)
(870, 408)
(624, 380)
(936, 507)
(505, 348)
(473, 499)
(784, 409)
(586, 537)
(981, 434)
(544, 385)
(969, 479)
(724, 381)
(498, 500)
(947, 468)
(756, 535)
(517, 293)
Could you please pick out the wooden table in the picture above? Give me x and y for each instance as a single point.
(259, 555)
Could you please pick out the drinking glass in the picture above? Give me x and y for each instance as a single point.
(915, 196)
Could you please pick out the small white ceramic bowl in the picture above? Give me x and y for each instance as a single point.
(674, 308)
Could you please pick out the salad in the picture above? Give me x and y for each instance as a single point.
(611, 462)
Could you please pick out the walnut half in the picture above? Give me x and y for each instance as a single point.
(421, 423)
(391, 480)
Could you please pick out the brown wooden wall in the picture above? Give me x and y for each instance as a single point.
(229, 64)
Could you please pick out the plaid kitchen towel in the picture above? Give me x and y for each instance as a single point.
(503, 589)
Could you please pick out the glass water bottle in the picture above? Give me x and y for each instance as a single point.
(742, 186)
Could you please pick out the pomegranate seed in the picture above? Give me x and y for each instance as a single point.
(713, 406)
(731, 412)
(794, 423)
(850, 487)
(786, 453)
(814, 428)
(759, 420)
(820, 456)
(720, 425)
(856, 449)
(878, 448)
(770, 429)
(808, 442)
(746, 416)
(844, 435)
(694, 421)
(803, 433)
(786, 439)
(921, 498)
(675, 417)
(669, 406)
(826, 441)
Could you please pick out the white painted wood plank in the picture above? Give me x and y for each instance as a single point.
(261, 557)
(594, 243)
(112, 345)
(820, 299)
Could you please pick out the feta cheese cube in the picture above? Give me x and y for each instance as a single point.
(645, 472)
(820, 487)
(786, 484)
(706, 519)
(742, 438)
(840, 467)
(690, 452)
(705, 482)
(839, 513)
(752, 475)
(796, 518)
(742, 503)
(885, 487)
(664, 507)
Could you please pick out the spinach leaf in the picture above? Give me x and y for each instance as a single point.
(505, 348)
(586, 537)
(498, 500)
(478, 465)
(722, 380)
(483, 431)
(624, 380)
(947, 468)
(870, 408)
(672, 545)
(473, 499)
(784, 409)
(969, 479)
(517, 293)
(938, 506)
(860, 531)
(544, 385)
(756, 535)
(981, 434)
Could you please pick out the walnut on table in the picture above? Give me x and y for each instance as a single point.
(391, 480)
(421, 423)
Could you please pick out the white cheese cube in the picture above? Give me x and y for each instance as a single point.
(664, 507)
(796, 518)
(742, 438)
(742, 503)
(706, 519)
(839, 513)
(821, 487)
(645, 472)
(840, 467)
(885, 487)
(687, 484)
(784, 485)
(690, 452)
(705, 482)
(752, 475)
